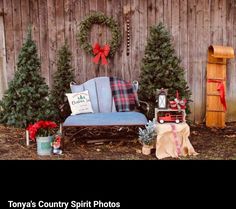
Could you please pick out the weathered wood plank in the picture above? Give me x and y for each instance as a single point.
(77, 58)
(60, 23)
(151, 13)
(215, 20)
(102, 32)
(3, 67)
(206, 37)
(51, 13)
(110, 13)
(159, 11)
(231, 63)
(17, 27)
(175, 24)
(135, 48)
(87, 59)
(143, 33)
(183, 35)
(44, 40)
(34, 17)
(198, 76)
(1, 7)
(233, 111)
(191, 52)
(167, 11)
(206, 40)
(114, 67)
(92, 68)
(223, 21)
(84, 12)
(70, 32)
(25, 17)
(68, 5)
(8, 23)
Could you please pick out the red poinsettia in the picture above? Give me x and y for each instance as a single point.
(41, 128)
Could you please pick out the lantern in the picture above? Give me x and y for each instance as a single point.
(161, 98)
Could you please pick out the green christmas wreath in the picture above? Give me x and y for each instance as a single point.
(101, 19)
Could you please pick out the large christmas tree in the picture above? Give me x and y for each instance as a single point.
(61, 84)
(26, 100)
(161, 69)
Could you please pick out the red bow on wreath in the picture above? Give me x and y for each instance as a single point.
(101, 53)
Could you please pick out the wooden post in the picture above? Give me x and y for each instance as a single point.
(27, 137)
(3, 69)
(216, 85)
(60, 129)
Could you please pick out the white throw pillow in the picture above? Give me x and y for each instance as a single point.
(79, 102)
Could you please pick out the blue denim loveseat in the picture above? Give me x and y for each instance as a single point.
(105, 115)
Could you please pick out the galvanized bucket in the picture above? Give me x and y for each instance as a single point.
(44, 146)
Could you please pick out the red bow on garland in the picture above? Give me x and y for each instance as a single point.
(101, 53)
(221, 89)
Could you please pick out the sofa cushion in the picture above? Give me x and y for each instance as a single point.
(100, 94)
(79, 102)
(90, 85)
(106, 119)
(104, 95)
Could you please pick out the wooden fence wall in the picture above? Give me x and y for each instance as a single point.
(194, 24)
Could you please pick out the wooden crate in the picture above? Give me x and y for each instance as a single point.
(216, 75)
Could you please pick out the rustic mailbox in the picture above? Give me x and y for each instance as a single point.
(216, 85)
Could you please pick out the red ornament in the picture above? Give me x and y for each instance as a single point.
(101, 53)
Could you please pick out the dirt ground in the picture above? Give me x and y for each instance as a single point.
(213, 144)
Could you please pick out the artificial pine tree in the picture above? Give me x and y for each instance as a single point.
(161, 69)
(61, 83)
(26, 99)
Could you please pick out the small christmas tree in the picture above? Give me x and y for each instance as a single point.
(26, 100)
(147, 136)
(161, 69)
(61, 83)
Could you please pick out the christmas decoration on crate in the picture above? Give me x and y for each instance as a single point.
(169, 111)
(110, 48)
(177, 103)
(161, 98)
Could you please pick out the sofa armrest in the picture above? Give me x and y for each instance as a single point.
(64, 110)
(146, 104)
